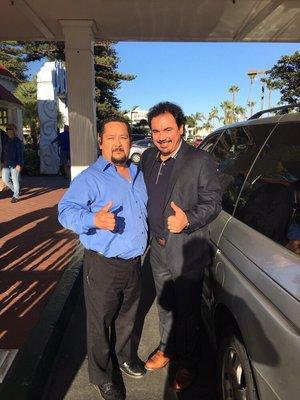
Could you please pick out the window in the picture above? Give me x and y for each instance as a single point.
(270, 199)
(234, 154)
(208, 144)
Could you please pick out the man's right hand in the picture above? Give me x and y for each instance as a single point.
(104, 219)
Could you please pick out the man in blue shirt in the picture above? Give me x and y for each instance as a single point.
(106, 206)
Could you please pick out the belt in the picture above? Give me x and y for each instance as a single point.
(161, 241)
(133, 259)
(124, 260)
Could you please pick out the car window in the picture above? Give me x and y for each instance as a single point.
(270, 198)
(144, 142)
(234, 154)
(209, 143)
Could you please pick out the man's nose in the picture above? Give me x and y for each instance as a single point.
(162, 136)
(117, 141)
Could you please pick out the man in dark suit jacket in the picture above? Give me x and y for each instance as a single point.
(184, 197)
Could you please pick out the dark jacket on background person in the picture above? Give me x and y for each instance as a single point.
(12, 152)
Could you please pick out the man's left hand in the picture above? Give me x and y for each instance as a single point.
(177, 222)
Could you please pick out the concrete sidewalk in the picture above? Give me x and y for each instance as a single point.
(69, 378)
(35, 252)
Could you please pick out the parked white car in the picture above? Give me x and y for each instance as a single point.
(138, 148)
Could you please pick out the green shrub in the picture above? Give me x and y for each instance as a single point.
(32, 160)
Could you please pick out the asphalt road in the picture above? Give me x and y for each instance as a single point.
(69, 377)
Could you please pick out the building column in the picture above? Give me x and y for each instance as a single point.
(79, 52)
(47, 109)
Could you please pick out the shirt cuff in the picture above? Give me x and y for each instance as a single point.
(88, 220)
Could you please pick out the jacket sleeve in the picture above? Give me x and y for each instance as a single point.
(74, 211)
(209, 197)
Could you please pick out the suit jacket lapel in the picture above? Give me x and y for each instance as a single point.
(179, 164)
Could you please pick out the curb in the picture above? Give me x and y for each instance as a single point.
(30, 370)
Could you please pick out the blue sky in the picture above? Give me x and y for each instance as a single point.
(196, 76)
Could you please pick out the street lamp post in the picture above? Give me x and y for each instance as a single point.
(252, 75)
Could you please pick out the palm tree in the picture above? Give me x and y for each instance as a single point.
(207, 126)
(198, 116)
(233, 89)
(270, 86)
(213, 114)
(228, 109)
(239, 112)
(250, 105)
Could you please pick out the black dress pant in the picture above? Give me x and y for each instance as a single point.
(112, 292)
(179, 295)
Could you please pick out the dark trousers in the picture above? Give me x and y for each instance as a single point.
(112, 292)
(179, 296)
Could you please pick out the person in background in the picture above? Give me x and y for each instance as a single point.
(106, 206)
(63, 139)
(184, 197)
(197, 141)
(12, 161)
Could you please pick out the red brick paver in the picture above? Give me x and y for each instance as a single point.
(34, 251)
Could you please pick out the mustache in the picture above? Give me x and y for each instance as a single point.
(119, 148)
(163, 141)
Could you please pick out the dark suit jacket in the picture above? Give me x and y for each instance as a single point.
(194, 187)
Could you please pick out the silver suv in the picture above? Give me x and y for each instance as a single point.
(251, 291)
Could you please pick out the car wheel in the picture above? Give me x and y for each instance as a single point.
(235, 378)
(135, 158)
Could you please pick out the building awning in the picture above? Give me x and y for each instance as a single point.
(5, 72)
(153, 20)
(7, 96)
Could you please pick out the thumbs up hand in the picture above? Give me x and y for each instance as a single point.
(104, 219)
(178, 221)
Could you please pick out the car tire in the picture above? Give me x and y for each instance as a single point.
(235, 377)
(135, 158)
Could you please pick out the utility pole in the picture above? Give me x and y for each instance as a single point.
(252, 75)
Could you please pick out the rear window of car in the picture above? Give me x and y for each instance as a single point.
(234, 152)
(269, 201)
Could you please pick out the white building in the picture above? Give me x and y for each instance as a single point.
(136, 115)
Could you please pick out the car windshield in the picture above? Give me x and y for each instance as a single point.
(143, 142)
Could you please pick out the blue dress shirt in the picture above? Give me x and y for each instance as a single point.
(93, 189)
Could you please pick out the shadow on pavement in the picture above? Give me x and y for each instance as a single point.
(70, 356)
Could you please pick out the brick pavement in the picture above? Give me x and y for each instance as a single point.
(35, 250)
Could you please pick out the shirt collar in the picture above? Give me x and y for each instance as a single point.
(103, 164)
(174, 154)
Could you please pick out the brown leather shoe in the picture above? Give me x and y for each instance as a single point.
(183, 379)
(157, 361)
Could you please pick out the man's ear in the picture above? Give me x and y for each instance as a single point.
(181, 129)
(100, 142)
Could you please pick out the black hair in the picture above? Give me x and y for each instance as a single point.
(167, 107)
(114, 118)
